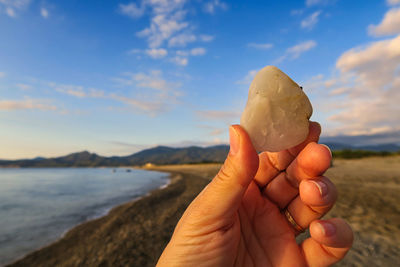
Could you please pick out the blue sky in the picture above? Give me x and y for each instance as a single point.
(114, 77)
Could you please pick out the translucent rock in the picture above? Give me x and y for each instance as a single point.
(277, 111)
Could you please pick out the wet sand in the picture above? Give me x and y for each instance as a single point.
(135, 233)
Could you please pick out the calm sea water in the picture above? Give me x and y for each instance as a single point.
(37, 206)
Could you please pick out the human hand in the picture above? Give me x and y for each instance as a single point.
(251, 212)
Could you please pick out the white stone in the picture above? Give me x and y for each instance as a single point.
(277, 112)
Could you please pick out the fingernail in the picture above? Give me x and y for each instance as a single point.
(234, 140)
(328, 149)
(326, 228)
(322, 187)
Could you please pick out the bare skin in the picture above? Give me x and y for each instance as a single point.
(238, 219)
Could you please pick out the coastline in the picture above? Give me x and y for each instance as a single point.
(133, 233)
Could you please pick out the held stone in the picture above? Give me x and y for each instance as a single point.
(277, 112)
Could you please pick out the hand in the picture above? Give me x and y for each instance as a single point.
(251, 212)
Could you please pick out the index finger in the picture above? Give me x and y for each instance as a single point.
(271, 163)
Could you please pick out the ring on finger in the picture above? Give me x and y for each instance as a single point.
(290, 219)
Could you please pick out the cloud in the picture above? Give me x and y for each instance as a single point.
(212, 6)
(248, 78)
(132, 10)
(44, 12)
(181, 40)
(198, 51)
(206, 38)
(13, 6)
(390, 24)
(295, 51)
(224, 115)
(310, 3)
(23, 86)
(151, 92)
(260, 46)
(2, 74)
(393, 2)
(30, 104)
(362, 96)
(168, 19)
(310, 21)
(179, 60)
(157, 53)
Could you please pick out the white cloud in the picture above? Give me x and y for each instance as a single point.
(226, 116)
(132, 10)
(44, 12)
(390, 24)
(393, 2)
(180, 60)
(12, 6)
(167, 20)
(206, 38)
(363, 96)
(23, 86)
(318, 2)
(248, 78)
(29, 104)
(295, 51)
(181, 40)
(260, 46)
(310, 21)
(212, 6)
(198, 51)
(2, 74)
(157, 53)
(10, 12)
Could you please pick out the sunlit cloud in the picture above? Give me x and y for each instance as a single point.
(295, 51)
(310, 21)
(26, 104)
(365, 93)
(393, 2)
(390, 24)
(157, 53)
(212, 6)
(260, 46)
(44, 12)
(219, 115)
(248, 78)
(12, 7)
(206, 38)
(310, 3)
(132, 9)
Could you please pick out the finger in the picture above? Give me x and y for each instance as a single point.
(271, 163)
(316, 197)
(329, 242)
(222, 197)
(312, 161)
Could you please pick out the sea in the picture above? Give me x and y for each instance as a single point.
(39, 205)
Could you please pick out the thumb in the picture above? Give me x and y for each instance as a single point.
(224, 193)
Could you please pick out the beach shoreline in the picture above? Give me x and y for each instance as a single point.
(135, 233)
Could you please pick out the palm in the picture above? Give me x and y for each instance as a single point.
(263, 233)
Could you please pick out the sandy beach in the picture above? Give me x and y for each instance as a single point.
(135, 233)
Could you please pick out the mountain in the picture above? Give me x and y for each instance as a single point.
(167, 155)
(158, 155)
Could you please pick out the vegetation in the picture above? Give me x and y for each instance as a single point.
(358, 153)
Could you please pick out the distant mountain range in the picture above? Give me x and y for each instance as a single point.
(158, 155)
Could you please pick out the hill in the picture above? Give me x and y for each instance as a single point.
(162, 155)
